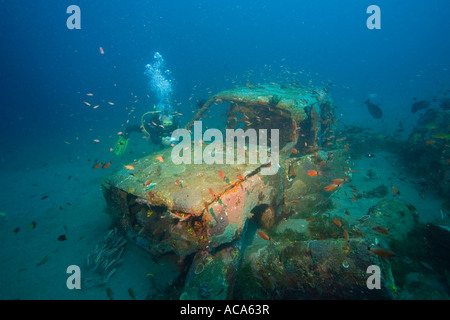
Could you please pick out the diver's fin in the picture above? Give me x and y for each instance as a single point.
(121, 146)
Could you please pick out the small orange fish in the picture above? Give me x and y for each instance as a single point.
(106, 165)
(101, 50)
(429, 142)
(160, 159)
(240, 177)
(354, 198)
(347, 147)
(221, 174)
(337, 181)
(97, 165)
(96, 140)
(384, 253)
(337, 222)
(345, 234)
(212, 192)
(147, 183)
(395, 191)
(294, 151)
(151, 195)
(129, 167)
(312, 173)
(179, 183)
(310, 219)
(263, 235)
(381, 230)
(330, 187)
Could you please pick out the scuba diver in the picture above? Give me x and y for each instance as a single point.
(157, 125)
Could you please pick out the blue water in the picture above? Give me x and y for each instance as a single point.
(47, 132)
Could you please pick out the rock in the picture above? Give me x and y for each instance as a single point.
(428, 150)
(394, 215)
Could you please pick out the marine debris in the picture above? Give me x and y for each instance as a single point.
(245, 235)
(106, 255)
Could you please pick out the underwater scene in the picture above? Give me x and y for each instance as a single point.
(225, 150)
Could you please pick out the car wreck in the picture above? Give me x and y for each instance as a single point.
(233, 225)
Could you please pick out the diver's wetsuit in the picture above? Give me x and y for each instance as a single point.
(158, 131)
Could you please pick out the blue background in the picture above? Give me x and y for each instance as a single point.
(46, 69)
